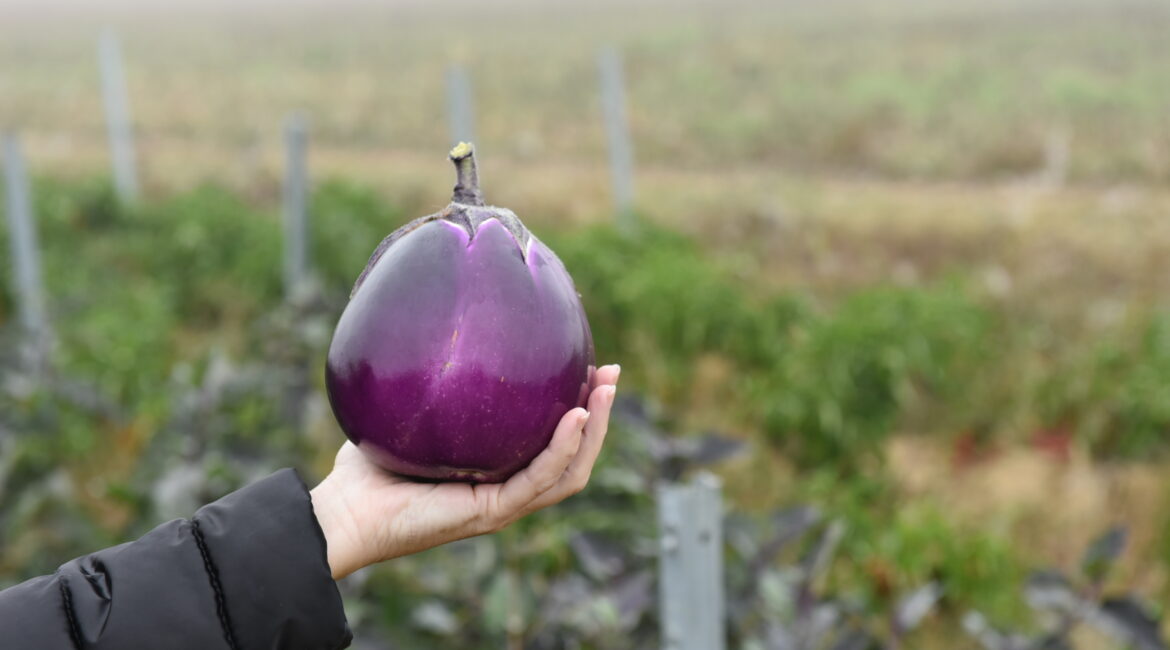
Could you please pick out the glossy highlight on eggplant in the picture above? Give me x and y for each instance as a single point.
(463, 344)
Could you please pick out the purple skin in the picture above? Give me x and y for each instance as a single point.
(462, 346)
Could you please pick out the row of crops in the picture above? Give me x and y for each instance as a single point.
(181, 371)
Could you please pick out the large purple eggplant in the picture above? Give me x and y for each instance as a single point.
(463, 344)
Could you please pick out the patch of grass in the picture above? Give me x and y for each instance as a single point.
(1115, 395)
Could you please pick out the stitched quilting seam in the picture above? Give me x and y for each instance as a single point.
(67, 597)
(213, 575)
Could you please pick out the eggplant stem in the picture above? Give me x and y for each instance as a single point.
(467, 189)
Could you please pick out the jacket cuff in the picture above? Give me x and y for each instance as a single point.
(266, 556)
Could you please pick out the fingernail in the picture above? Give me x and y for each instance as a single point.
(612, 392)
(617, 372)
(583, 419)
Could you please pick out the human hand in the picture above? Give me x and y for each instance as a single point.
(369, 515)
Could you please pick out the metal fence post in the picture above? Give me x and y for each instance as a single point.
(617, 129)
(690, 581)
(460, 107)
(117, 106)
(296, 208)
(23, 245)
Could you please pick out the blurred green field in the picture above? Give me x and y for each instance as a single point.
(917, 254)
(903, 410)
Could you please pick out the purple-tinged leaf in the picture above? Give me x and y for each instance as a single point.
(435, 617)
(915, 606)
(779, 637)
(855, 639)
(787, 525)
(564, 597)
(977, 626)
(816, 628)
(507, 603)
(677, 454)
(633, 596)
(634, 411)
(790, 524)
(742, 534)
(1053, 642)
(704, 450)
(180, 490)
(821, 555)
(1051, 590)
(365, 642)
(600, 558)
(1102, 553)
(621, 480)
(87, 397)
(714, 447)
(1129, 622)
(760, 542)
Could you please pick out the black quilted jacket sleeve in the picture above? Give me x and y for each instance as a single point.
(246, 572)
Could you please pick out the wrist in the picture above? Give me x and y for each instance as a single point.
(334, 516)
